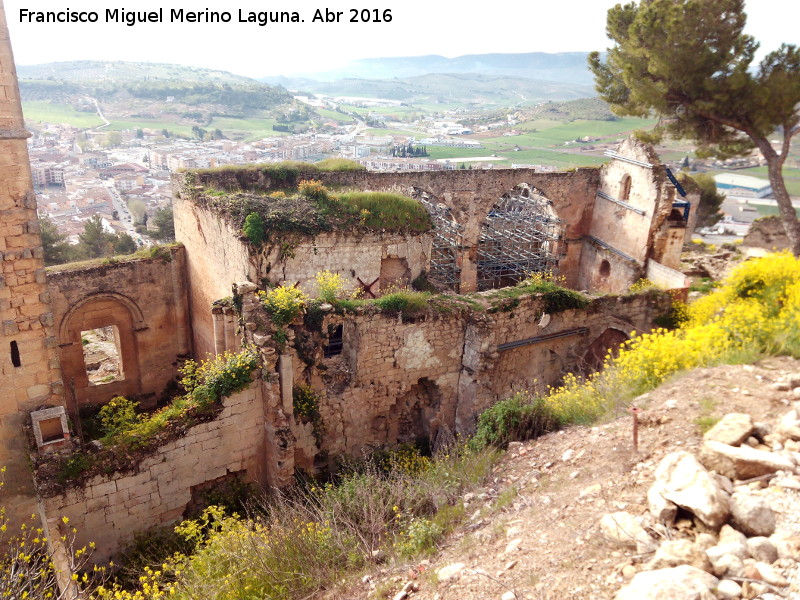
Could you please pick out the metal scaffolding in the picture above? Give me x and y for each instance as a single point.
(520, 236)
(445, 267)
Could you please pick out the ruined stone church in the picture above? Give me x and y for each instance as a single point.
(380, 377)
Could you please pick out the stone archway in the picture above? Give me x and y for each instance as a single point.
(97, 311)
(519, 236)
(609, 341)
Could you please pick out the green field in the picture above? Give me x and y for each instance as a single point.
(46, 112)
(402, 132)
(556, 158)
(553, 135)
(334, 116)
(436, 152)
(765, 211)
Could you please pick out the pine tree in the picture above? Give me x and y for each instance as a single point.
(689, 62)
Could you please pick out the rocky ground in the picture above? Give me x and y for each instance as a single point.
(101, 355)
(535, 531)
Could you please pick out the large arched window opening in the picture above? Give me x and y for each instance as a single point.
(520, 236)
(448, 240)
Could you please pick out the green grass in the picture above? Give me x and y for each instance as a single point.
(381, 210)
(48, 112)
(766, 211)
(558, 159)
(334, 116)
(547, 135)
(437, 152)
(156, 124)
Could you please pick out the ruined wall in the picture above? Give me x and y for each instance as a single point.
(217, 257)
(29, 368)
(470, 194)
(544, 360)
(399, 380)
(110, 509)
(623, 227)
(605, 271)
(145, 299)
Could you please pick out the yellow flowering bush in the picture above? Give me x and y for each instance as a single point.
(313, 188)
(330, 286)
(755, 311)
(283, 303)
(26, 568)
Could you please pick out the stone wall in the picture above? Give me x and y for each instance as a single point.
(217, 257)
(470, 194)
(768, 233)
(145, 300)
(399, 380)
(29, 368)
(110, 509)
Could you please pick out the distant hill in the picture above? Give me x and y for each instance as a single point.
(449, 87)
(566, 67)
(151, 88)
(119, 71)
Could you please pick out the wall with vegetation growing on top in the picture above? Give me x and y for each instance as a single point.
(159, 487)
(357, 377)
(144, 299)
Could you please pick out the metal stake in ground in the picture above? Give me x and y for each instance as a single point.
(635, 413)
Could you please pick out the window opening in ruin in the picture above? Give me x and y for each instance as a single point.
(520, 236)
(335, 343)
(447, 242)
(102, 355)
(605, 268)
(15, 359)
(675, 218)
(51, 430)
(625, 188)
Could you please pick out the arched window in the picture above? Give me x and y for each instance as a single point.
(625, 188)
(605, 269)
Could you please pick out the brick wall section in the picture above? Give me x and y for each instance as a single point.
(146, 300)
(25, 316)
(109, 510)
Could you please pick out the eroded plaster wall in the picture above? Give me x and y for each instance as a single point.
(215, 258)
(145, 300)
(398, 381)
(110, 509)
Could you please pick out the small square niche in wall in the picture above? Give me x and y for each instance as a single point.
(50, 427)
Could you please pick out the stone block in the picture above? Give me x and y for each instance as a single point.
(103, 489)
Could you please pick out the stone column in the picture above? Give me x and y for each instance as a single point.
(219, 330)
(230, 329)
(286, 374)
(180, 300)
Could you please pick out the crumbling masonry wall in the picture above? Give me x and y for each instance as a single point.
(146, 300)
(470, 194)
(218, 256)
(110, 509)
(398, 380)
(29, 370)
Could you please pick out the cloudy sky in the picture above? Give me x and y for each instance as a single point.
(418, 27)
